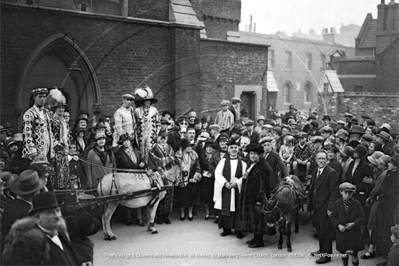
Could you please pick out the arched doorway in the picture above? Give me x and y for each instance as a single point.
(47, 66)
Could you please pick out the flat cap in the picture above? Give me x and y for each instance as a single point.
(346, 186)
(128, 96)
(225, 102)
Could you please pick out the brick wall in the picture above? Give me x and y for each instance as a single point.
(150, 9)
(124, 54)
(382, 107)
(229, 9)
(217, 28)
(224, 65)
(388, 68)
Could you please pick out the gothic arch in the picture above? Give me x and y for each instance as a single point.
(46, 66)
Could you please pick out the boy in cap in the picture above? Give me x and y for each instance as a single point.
(233, 108)
(348, 217)
(302, 155)
(224, 118)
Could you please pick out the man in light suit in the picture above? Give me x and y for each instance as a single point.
(322, 195)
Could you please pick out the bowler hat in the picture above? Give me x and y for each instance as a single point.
(85, 224)
(346, 186)
(8, 178)
(254, 147)
(244, 113)
(232, 142)
(27, 183)
(44, 201)
(384, 135)
(395, 159)
(361, 150)
(355, 129)
(326, 117)
(375, 157)
(99, 125)
(314, 124)
(166, 112)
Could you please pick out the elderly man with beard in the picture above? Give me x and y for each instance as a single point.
(227, 185)
(41, 239)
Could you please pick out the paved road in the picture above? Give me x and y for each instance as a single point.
(198, 243)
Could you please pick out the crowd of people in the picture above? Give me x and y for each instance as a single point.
(229, 165)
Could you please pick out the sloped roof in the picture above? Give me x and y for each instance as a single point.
(182, 12)
(332, 79)
(271, 82)
(367, 35)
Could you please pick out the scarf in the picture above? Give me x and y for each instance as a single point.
(346, 204)
(102, 155)
(226, 193)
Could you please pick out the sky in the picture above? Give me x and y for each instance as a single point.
(292, 15)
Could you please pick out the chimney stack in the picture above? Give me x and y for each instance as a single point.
(328, 36)
(254, 27)
(250, 23)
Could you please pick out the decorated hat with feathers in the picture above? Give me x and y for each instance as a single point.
(56, 98)
(143, 94)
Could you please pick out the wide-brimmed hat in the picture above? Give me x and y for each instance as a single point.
(44, 201)
(374, 157)
(326, 117)
(8, 178)
(356, 129)
(27, 183)
(361, 150)
(346, 186)
(204, 136)
(122, 138)
(235, 100)
(384, 135)
(254, 147)
(128, 96)
(395, 159)
(39, 91)
(261, 117)
(85, 224)
(144, 94)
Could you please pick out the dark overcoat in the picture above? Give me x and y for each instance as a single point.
(349, 239)
(254, 188)
(275, 162)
